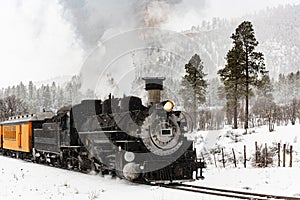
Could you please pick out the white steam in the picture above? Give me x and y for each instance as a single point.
(97, 21)
(93, 18)
(36, 42)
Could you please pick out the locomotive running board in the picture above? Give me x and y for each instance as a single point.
(97, 132)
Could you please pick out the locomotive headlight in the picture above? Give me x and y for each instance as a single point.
(168, 105)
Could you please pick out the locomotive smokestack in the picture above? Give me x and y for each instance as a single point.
(153, 85)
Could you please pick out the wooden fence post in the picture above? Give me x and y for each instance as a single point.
(256, 152)
(278, 154)
(266, 155)
(245, 157)
(284, 150)
(215, 159)
(223, 159)
(291, 155)
(234, 158)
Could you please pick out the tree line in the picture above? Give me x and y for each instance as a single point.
(26, 99)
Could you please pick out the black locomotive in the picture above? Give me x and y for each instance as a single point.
(121, 136)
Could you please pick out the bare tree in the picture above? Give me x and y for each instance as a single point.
(10, 106)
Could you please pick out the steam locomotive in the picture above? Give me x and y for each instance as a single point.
(119, 136)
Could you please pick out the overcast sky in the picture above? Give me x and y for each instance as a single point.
(38, 40)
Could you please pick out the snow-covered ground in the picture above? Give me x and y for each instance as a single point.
(228, 139)
(23, 180)
(276, 181)
(271, 179)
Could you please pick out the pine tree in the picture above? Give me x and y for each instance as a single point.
(282, 89)
(212, 93)
(265, 88)
(297, 84)
(251, 62)
(30, 90)
(2, 93)
(60, 97)
(46, 97)
(291, 85)
(53, 95)
(194, 85)
(232, 78)
(265, 100)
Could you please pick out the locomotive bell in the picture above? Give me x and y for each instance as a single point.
(153, 85)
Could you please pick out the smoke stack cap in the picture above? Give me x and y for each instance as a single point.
(154, 83)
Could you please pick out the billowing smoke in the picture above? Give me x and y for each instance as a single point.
(96, 21)
(155, 13)
(91, 19)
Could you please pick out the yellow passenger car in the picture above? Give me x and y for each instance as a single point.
(1, 139)
(17, 136)
(17, 132)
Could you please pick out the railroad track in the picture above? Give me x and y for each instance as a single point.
(227, 193)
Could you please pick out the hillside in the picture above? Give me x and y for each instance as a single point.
(276, 29)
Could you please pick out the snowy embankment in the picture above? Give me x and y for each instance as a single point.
(24, 180)
(211, 142)
(271, 179)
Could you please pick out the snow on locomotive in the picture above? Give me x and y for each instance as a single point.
(120, 136)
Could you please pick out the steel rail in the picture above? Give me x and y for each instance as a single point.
(226, 192)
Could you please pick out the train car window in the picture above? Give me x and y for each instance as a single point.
(63, 122)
